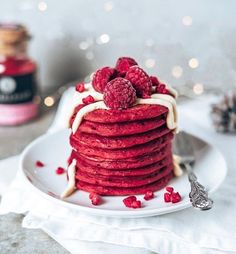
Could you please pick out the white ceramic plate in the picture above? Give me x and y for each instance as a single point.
(54, 149)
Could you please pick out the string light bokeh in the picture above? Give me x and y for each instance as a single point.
(71, 41)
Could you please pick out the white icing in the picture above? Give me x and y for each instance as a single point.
(78, 99)
(172, 91)
(159, 99)
(71, 180)
(167, 101)
(85, 110)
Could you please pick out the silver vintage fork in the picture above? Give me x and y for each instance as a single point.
(198, 194)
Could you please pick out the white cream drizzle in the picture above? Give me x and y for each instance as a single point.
(159, 99)
(167, 101)
(71, 180)
(85, 110)
(78, 97)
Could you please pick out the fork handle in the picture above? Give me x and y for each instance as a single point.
(198, 194)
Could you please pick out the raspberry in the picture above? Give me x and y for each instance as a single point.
(89, 99)
(175, 197)
(154, 80)
(39, 164)
(96, 199)
(167, 197)
(169, 189)
(161, 88)
(129, 200)
(123, 64)
(136, 204)
(119, 94)
(102, 77)
(140, 81)
(149, 195)
(80, 87)
(60, 171)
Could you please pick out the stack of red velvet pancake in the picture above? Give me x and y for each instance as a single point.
(123, 152)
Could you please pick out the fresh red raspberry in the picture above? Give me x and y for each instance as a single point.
(80, 87)
(175, 197)
(169, 189)
(149, 195)
(161, 88)
(89, 99)
(96, 199)
(129, 200)
(123, 64)
(140, 81)
(39, 164)
(102, 77)
(136, 204)
(60, 171)
(154, 80)
(119, 94)
(167, 197)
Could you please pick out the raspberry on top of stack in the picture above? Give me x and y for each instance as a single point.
(123, 124)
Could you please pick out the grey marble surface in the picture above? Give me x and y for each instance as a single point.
(14, 238)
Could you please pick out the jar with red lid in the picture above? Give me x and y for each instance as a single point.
(17, 76)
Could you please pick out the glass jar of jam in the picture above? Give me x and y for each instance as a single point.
(17, 76)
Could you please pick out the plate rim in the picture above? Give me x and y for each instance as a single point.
(112, 213)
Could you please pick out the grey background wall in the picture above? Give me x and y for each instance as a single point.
(72, 38)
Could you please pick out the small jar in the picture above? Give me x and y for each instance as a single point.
(17, 76)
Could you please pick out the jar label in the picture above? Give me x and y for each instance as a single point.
(17, 89)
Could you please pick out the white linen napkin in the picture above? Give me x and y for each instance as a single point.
(187, 231)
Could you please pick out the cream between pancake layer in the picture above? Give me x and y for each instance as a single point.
(156, 99)
(71, 171)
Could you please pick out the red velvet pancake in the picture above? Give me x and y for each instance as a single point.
(93, 140)
(117, 191)
(135, 162)
(138, 150)
(121, 129)
(125, 182)
(138, 112)
(84, 167)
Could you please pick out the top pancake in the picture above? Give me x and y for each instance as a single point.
(138, 112)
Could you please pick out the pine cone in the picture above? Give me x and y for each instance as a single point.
(224, 113)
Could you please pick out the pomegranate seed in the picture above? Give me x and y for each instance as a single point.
(80, 87)
(96, 199)
(60, 171)
(39, 164)
(175, 197)
(167, 197)
(136, 204)
(92, 194)
(128, 201)
(169, 189)
(149, 195)
(89, 99)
